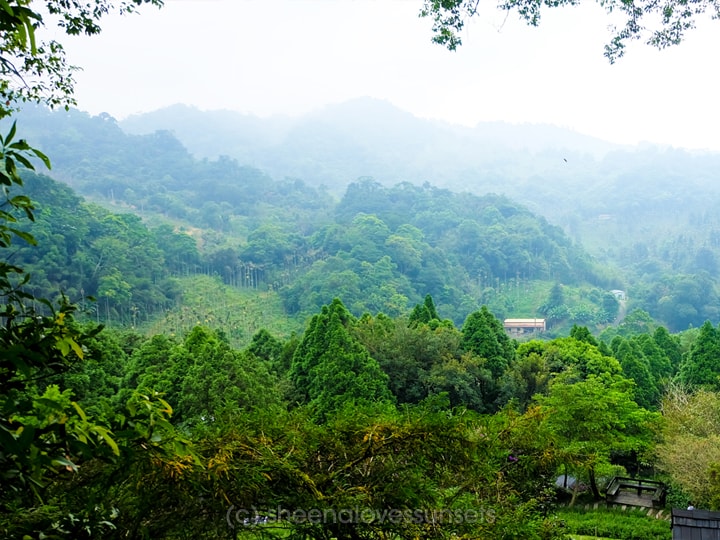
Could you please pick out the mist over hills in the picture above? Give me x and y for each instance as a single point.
(571, 179)
(648, 214)
(368, 137)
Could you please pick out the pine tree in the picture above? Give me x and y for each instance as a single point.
(331, 369)
(636, 367)
(701, 366)
(484, 335)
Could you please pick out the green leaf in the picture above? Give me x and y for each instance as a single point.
(43, 157)
(11, 133)
(22, 144)
(11, 168)
(75, 347)
(105, 434)
(25, 162)
(29, 238)
(63, 462)
(79, 410)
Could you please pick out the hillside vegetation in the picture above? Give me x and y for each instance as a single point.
(247, 357)
(645, 215)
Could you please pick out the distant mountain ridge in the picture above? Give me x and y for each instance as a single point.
(649, 210)
(368, 137)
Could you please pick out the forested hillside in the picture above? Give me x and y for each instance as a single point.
(649, 233)
(201, 346)
(380, 249)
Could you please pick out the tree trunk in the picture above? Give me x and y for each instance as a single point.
(593, 483)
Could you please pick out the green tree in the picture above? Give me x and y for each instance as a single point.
(266, 346)
(659, 363)
(636, 367)
(581, 333)
(594, 418)
(700, 368)
(528, 376)
(555, 308)
(659, 25)
(408, 354)
(465, 380)
(424, 464)
(670, 346)
(331, 369)
(426, 313)
(484, 335)
(690, 445)
(216, 380)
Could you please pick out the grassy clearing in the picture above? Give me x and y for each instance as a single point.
(615, 524)
(239, 313)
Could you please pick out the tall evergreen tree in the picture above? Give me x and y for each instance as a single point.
(331, 369)
(484, 335)
(670, 346)
(701, 366)
(660, 365)
(636, 367)
(581, 333)
(426, 313)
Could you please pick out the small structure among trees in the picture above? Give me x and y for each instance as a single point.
(524, 326)
(636, 492)
(695, 525)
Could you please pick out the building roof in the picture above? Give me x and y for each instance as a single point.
(524, 322)
(695, 525)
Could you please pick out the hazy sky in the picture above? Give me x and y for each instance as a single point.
(292, 56)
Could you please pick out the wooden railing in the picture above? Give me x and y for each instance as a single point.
(648, 492)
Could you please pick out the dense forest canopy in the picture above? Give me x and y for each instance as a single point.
(648, 234)
(397, 407)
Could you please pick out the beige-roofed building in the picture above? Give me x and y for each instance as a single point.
(524, 326)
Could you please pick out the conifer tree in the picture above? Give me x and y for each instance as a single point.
(636, 367)
(484, 335)
(701, 367)
(331, 369)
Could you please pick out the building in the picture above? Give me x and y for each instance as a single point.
(695, 525)
(620, 295)
(517, 327)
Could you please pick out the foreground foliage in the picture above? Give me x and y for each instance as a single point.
(609, 523)
(659, 25)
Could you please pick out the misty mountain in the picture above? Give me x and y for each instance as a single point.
(570, 178)
(649, 211)
(368, 137)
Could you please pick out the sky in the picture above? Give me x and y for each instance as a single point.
(290, 57)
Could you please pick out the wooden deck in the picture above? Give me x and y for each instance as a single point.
(636, 492)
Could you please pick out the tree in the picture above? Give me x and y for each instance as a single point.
(331, 369)
(426, 313)
(465, 380)
(670, 346)
(407, 353)
(484, 335)
(659, 24)
(636, 367)
(43, 431)
(216, 380)
(581, 333)
(595, 417)
(700, 367)
(690, 444)
(33, 70)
